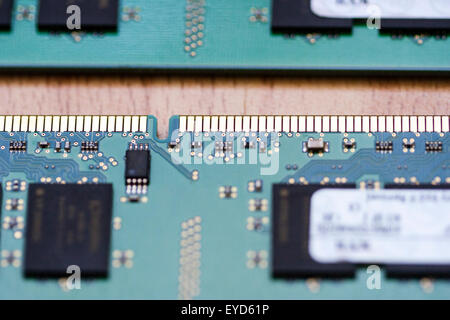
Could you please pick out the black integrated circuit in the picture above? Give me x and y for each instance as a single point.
(296, 16)
(68, 224)
(290, 234)
(99, 15)
(290, 238)
(18, 146)
(434, 146)
(137, 166)
(5, 14)
(384, 146)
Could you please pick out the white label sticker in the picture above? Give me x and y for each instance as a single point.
(396, 9)
(395, 226)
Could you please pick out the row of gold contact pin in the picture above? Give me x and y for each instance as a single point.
(74, 123)
(314, 124)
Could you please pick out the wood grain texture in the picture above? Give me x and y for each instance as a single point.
(166, 96)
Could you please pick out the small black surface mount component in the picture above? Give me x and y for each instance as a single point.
(58, 146)
(248, 143)
(348, 144)
(196, 145)
(89, 146)
(67, 146)
(409, 145)
(255, 185)
(15, 185)
(43, 144)
(257, 204)
(313, 146)
(17, 146)
(434, 146)
(137, 168)
(384, 146)
(223, 147)
(228, 192)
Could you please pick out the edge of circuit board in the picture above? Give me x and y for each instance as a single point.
(288, 17)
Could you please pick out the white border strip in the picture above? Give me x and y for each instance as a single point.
(293, 124)
(73, 123)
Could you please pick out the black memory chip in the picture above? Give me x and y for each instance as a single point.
(417, 271)
(68, 224)
(291, 16)
(94, 14)
(137, 166)
(290, 238)
(5, 13)
(290, 234)
(414, 25)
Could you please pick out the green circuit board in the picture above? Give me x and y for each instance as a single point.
(195, 216)
(202, 35)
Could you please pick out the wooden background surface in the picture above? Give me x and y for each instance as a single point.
(166, 96)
